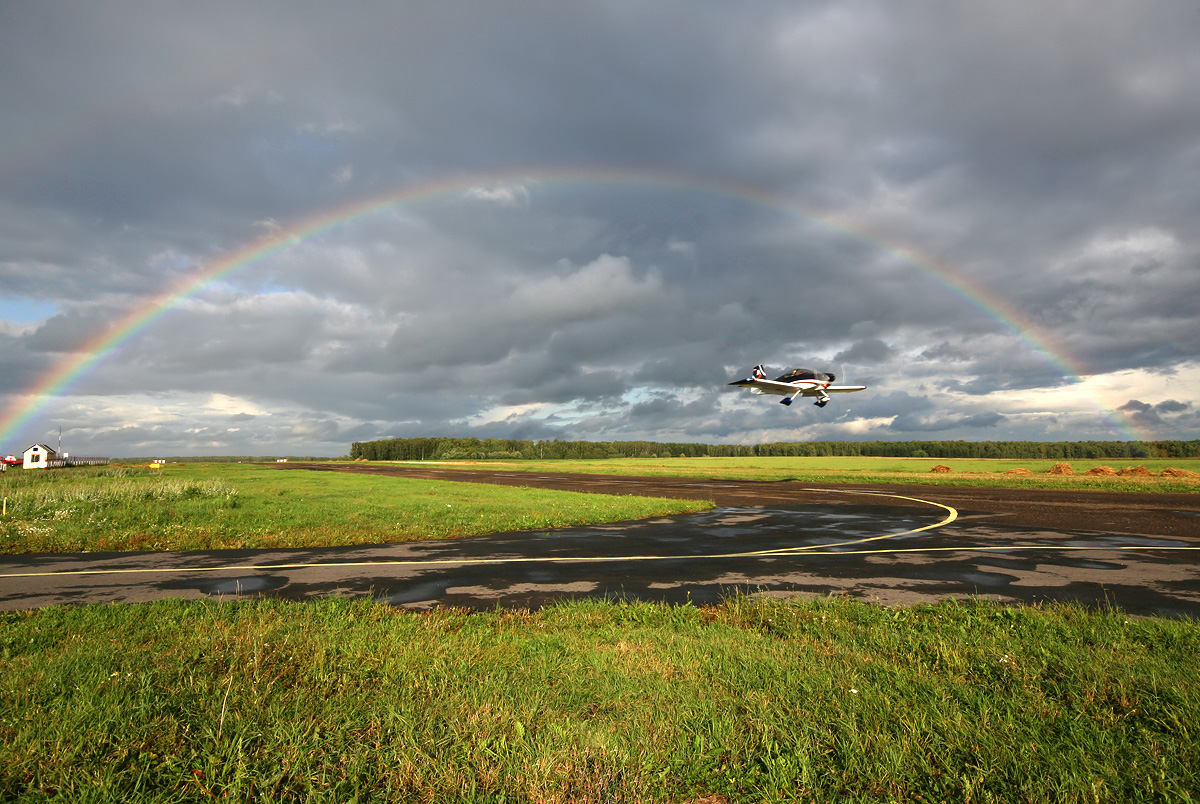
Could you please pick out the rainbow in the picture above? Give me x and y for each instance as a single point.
(42, 393)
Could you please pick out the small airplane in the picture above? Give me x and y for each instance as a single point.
(797, 382)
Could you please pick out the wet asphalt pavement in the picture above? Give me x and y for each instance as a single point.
(1138, 554)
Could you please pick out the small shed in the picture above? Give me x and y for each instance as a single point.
(38, 457)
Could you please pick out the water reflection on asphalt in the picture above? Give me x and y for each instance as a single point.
(845, 548)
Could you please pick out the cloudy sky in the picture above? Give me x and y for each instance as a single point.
(278, 228)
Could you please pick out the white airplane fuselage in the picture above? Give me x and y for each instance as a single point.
(798, 382)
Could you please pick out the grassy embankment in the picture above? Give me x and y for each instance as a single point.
(214, 506)
(755, 700)
(964, 472)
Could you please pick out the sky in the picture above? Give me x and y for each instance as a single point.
(277, 228)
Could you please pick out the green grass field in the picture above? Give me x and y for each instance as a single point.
(594, 701)
(754, 700)
(965, 472)
(217, 506)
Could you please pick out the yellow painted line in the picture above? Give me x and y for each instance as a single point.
(951, 515)
(573, 560)
(812, 549)
(807, 550)
(515, 560)
(438, 562)
(1002, 548)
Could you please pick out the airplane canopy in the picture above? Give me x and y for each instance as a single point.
(805, 374)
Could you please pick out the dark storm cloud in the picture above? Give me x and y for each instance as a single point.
(1147, 415)
(871, 352)
(1171, 406)
(1010, 190)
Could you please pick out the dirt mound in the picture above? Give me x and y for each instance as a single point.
(1061, 469)
(1173, 472)
(941, 468)
(1019, 471)
(1107, 471)
(1135, 471)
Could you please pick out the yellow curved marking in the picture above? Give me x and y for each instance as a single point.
(817, 549)
(565, 559)
(952, 514)
(1003, 548)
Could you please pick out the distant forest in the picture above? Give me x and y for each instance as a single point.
(448, 449)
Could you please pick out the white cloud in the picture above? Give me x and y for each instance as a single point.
(513, 196)
(332, 127)
(224, 404)
(1145, 242)
(604, 285)
(682, 247)
(246, 93)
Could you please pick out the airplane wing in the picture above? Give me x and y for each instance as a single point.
(804, 387)
(790, 390)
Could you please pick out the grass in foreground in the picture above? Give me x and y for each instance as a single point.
(840, 469)
(212, 506)
(755, 700)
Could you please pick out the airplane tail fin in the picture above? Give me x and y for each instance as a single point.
(759, 373)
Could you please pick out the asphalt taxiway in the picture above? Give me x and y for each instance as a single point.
(888, 544)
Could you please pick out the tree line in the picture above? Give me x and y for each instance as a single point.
(449, 449)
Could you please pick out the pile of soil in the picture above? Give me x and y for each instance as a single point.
(1107, 471)
(1019, 471)
(941, 468)
(1135, 471)
(1172, 472)
(1061, 469)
